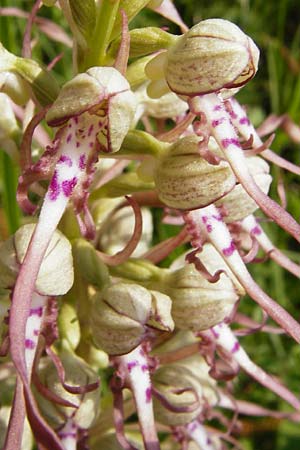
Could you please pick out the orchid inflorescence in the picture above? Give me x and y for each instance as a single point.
(94, 329)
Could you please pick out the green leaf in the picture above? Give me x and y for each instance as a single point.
(84, 15)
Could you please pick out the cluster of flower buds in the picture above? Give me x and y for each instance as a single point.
(105, 347)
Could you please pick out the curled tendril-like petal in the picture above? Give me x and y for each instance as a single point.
(192, 258)
(61, 374)
(26, 50)
(177, 409)
(163, 249)
(124, 254)
(25, 148)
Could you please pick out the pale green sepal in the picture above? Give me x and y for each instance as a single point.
(91, 267)
(144, 41)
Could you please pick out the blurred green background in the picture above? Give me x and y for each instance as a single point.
(275, 27)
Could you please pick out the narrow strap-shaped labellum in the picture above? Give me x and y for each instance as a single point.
(225, 135)
(68, 435)
(13, 439)
(199, 435)
(74, 152)
(225, 338)
(136, 370)
(242, 123)
(209, 222)
(251, 225)
(33, 326)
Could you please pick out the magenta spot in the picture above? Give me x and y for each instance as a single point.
(208, 226)
(29, 344)
(230, 141)
(131, 365)
(218, 218)
(81, 163)
(232, 114)
(256, 230)
(244, 121)
(236, 347)
(144, 367)
(217, 122)
(36, 311)
(90, 129)
(69, 138)
(68, 186)
(76, 120)
(66, 159)
(54, 187)
(148, 394)
(193, 426)
(100, 123)
(36, 332)
(77, 144)
(69, 126)
(217, 108)
(214, 332)
(229, 250)
(91, 144)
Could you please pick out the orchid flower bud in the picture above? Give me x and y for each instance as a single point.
(103, 92)
(52, 279)
(198, 304)
(119, 315)
(160, 317)
(77, 374)
(197, 366)
(238, 204)
(179, 395)
(185, 180)
(212, 56)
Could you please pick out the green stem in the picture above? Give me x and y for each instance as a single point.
(104, 24)
(10, 179)
(138, 142)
